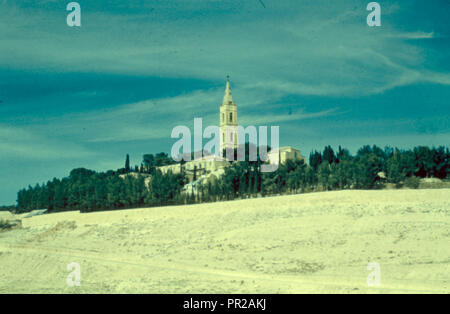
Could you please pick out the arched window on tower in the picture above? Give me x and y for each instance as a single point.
(231, 117)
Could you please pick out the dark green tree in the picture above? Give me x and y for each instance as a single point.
(328, 155)
(315, 159)
(127, 164)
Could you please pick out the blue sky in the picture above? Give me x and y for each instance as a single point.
(85, 97)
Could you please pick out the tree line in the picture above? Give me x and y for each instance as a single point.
(145, 186)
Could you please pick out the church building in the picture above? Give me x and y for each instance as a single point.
(213, 165)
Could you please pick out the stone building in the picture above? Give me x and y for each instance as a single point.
(201, 166)
(285, 153)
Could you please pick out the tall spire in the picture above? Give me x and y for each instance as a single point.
(228, 97)
(228, 120)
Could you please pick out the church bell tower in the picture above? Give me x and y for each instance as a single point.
(228, 120)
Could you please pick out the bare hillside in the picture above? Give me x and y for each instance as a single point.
(318, 242)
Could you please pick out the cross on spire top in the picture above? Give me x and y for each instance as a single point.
(228, 98)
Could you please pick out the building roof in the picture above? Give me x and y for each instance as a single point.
(210, 158)
(285, 148)
(228, 97)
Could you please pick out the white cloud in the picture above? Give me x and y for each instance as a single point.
(414, 35)
(149, 119)
(291, 48)
(274, 119)
(20, 143)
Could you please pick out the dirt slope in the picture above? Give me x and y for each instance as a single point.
(319, 242)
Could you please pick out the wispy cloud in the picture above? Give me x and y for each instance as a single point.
(414, 35)
(311, 51)
(275, 119)
(155, 118)
(23, 144)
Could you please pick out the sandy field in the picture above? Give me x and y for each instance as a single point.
(309, 243)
